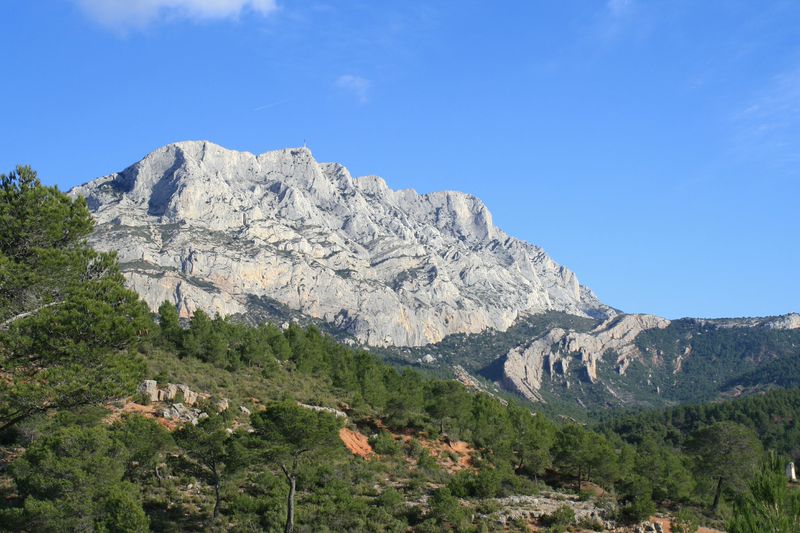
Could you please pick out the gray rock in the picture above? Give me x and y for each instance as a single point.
(182, 413)
(149, 389)
(525, 365)
(209, 228)
(335, 412)
(244, 409)
(170, 391)
(189, 396)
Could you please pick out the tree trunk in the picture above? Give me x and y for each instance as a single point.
(7, 323)
(717, 494)
(578, 482)
(217, 501)
(292, 481)
(290, 506)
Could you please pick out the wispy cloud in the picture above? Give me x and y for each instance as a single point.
(270, 105)
(355, 85)
(619, 8)
(617, 19)
(123, 15)
(769, 124)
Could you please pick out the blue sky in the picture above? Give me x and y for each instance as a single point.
(651, 146)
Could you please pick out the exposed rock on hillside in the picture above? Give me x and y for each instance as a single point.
(205, 227)
(788, 321)
(553, 352)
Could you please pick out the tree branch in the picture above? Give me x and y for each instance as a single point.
(7, 323)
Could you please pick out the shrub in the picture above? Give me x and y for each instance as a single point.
(390, 500)
(563, 516)
(384, 444)
(591, 523)
(637, 510)
(685, 521)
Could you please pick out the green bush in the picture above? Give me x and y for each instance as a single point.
(591, 523)
(637, 510)
(384, 444)
(685, 521)
(563, 516)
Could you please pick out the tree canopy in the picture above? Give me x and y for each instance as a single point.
(68, 324)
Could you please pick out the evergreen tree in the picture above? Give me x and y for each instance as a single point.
(533, 437)
(769, 504)
(67, 323)
(290, 435)
(170, 326)
(209, 445)
(71, 480)
(146, 442)
(727, 454)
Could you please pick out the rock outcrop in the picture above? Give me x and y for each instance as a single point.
(151, 392)
(553, 352)
(320, 409)
(205, 227)
(790, 321)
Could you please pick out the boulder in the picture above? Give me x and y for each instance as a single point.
(149, 389)
(182, 413)
(189, 396)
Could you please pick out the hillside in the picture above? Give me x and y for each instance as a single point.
(573, 366)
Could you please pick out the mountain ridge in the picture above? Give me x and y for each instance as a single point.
(205, 227)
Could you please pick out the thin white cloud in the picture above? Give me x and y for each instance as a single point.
(126, 14)
(769, 124)
(270, 105)
(618, 8)
(355, 85)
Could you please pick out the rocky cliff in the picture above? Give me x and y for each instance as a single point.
(205, 227)
(713, 349)
(552, 353)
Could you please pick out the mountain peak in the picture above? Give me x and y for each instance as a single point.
(206, 227)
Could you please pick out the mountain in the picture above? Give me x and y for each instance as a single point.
(427, 279)
(232, 233)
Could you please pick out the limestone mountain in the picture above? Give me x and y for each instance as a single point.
(226, 231)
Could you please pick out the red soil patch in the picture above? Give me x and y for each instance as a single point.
(441, 450)
(666, 523)
(357, 443)
(147, 411)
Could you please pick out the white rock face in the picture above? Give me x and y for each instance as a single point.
(790, 321)
(209, 228)
(525, 365)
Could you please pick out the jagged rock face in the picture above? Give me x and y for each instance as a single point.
(525, 365)
(205, 227)
(790, 321)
